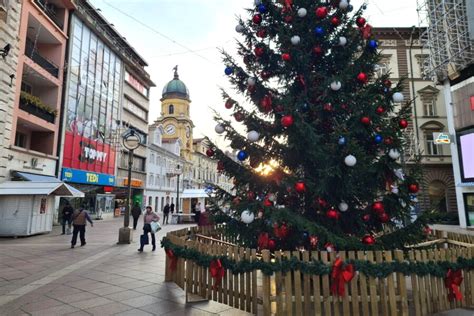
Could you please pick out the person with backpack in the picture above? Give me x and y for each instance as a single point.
(79, 219)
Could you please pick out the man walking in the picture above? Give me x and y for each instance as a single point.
(79, 218)
(67, 217)
(166, 212)
(150, 217)
(136, 212)
(172, 207)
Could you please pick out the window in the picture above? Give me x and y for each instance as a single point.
(150, 201)
(152, 158)
(431, 148)
(151, 180)
(429, 108)
(20, 140)
(135, 109)
(158, 134)
(171, 109)
(381, 69)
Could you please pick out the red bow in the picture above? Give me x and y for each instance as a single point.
(339, 275)
(366, 31)
(452, 281)
(288, 4)
(173, 258)
(217, 272)
(262, 242)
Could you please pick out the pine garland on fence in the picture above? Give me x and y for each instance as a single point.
(377, 270)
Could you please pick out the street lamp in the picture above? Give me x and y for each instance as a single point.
(178, 172)
(130, 140)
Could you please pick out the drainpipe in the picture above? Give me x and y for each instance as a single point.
(417, 137)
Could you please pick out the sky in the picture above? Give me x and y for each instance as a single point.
(188, 33)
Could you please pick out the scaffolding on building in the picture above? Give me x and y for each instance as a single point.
(446, 37)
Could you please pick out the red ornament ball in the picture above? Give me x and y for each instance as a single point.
(365, 120)
(261, 33)
(265, 75)
(378, 207)
(259, 51)
(250, 196)
(332, 214)
(313, 241)
(328, 107)
(403, 123)
(322, 202)
(387, 83)
(236, 200)
(267, 202)
(271, 244)
(380, 110)
(335, 21)
(384, 218)
(229, 103)
(286, 57)
(366, 217)
(257, 19)
(209, 152)
(368, 240)
(362, 77)
(300, 187)
(413, 188)
(321, 12)
(360, 21)
(388, 140)
(287, 121)
(239, 117)
(318, 50)
(220, 166)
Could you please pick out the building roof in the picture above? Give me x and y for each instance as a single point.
(38, 188)
(175, 88)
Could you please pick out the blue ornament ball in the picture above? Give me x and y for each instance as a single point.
(229, 71)
(305, 107)
(305, 235)
(262, 8)
(319, 31)
(373, 44)
(378, 139)
(350, 8)
(386, 90)
(342, 141)
(242, 155)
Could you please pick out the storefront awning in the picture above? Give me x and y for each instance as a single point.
(35, 188)
(194, 193)
(32, 177)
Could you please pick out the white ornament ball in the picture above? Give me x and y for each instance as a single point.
(394, 154)
(395, 189)
(397, 97)
(247, 217)
(219, 129)
(343, 4)
(239, 28)
(295, 40)
(253, 136)
(350, 161)
(302, 12)
(342, 41)
(336, 85)
(343, 206)
(359, 48)
(251, 81)
(271, 197)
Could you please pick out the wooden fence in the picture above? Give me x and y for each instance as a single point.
(296, 293)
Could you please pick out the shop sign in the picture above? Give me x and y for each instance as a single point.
(134, 183)
(80, 176)
(441, 139)
(86, 154)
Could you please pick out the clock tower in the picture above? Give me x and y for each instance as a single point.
(175, 120)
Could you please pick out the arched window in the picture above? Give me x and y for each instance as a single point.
(171, 109)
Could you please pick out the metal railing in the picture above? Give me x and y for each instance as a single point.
(49, 10)
(32, 52)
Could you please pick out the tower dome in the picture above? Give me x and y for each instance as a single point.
(175, 88)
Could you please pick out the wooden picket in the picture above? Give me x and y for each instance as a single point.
(296, 293)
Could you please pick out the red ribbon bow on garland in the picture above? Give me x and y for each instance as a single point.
(340, 274)
(217, 272)
(366, 31)
(288, 4)
(173, 258)
(452, 281)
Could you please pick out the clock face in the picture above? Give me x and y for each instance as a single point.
(170, 129)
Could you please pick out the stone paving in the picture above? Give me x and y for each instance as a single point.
(41, 275)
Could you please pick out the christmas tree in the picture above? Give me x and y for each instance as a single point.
(329, 129)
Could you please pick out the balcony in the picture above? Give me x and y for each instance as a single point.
(51, 11)
(34, 106)
(32, 52)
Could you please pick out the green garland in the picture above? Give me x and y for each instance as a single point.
(376, 270)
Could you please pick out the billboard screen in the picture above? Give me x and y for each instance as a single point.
(466, 154)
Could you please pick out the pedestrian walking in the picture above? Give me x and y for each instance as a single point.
(136, 212)
(150, 217)
(166, 213)
(197, 212)
(67, 218)
(172, 207)
(79, 219)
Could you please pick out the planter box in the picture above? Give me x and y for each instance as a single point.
(48, 117)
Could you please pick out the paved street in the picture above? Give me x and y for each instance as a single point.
(41, 275)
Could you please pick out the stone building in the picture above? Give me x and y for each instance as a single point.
(402, 56)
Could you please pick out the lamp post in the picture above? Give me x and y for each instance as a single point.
(131, 140)
(178, 172)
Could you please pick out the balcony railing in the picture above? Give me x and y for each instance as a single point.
(50, 12)
(34, 55)
(28, 106)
